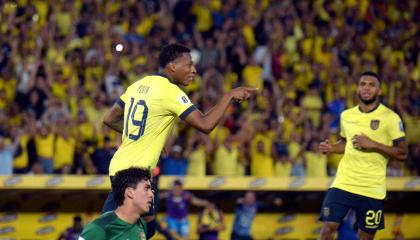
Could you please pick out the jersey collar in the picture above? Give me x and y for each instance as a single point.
(163, 75)
(373, 109)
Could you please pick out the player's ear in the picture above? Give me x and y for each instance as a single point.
(172, 66)
(129, 193)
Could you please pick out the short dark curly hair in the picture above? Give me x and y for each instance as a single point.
(171, 52)
(128, 178)
(371, 74)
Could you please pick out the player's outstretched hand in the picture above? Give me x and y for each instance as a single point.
(325, 147)
(242, 93)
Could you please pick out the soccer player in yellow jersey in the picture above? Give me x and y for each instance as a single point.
(147, 111)
(370, 133)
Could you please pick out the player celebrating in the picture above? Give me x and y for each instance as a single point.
(134, 196)
(370, 134)
(146, 112)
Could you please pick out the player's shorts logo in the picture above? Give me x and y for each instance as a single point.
(326, 211)
(374, 124)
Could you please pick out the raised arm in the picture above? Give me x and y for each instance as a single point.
(208, 121)
(198, 201)
(114, 118)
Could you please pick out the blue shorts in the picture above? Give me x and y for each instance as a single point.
(369, 211)
(180, 226)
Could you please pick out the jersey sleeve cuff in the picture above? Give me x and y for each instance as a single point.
(187, 112)
(398, 140)
(121, 103)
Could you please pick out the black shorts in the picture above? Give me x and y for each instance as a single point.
(369, 211)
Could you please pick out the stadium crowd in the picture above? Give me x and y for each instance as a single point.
(64, 63)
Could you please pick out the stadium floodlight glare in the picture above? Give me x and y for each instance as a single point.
(119, 47)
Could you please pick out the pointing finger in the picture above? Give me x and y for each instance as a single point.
(250, 89)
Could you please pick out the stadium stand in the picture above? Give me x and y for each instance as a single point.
(63, 63)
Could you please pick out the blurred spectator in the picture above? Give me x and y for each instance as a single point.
(335, 107)
(101, 157)
(315, 161)
(175, 163)
(198, 148)
(246, 209)
(21, 158)
(394, 169)
(177, 208)
(210, 222)
(294, 149)
(59, 62)
(44, 142)
(63, 159)
(262, 164)
(282, 162)
(73, 232)
(226, 159)
(7, 151)
(36, 169)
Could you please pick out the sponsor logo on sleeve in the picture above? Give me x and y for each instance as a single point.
(184, 100)
(401, 126)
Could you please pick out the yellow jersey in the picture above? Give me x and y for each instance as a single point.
(316, 164)
(226, 161)
(197, 162)
(22, 159)
(282, 169)
(151, 107)
(363, 172)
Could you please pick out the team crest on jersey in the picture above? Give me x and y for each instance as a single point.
(374, 124)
